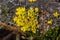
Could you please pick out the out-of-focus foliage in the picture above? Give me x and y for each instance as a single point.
(51, 34)
(7, 11)
(0, 11)
(27, 20)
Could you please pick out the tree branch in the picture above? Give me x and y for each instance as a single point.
(12, 28)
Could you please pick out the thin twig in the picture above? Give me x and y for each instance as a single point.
(8, 36)
(17, 36)
(12, 28)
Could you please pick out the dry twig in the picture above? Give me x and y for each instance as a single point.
(12, 28)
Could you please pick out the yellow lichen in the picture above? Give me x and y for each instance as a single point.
(26, 20)
(49, 21)
(32, 0)
(36, 9)
(55, 14)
